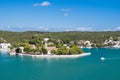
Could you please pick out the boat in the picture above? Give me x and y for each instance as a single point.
(102, 58)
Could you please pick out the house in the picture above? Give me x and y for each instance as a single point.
(50, 44)
(87, 44)
(72, 42)
(46, 39)
(5, 45)
(109, 42)
(66, 46)
(49, 49)
(22, 49)
(16, 51)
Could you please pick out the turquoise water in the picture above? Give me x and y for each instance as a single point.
(85, 68)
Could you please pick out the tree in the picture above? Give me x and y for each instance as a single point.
(35, 40)
(54, 52)
(75, 50)
(43, 50)
(62, 51)
(66, 40)
(27, 49)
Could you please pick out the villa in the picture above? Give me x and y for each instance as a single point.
(46, 39)
(112, 43)
(84, 44)
(5, 46)
(87, 44)
(117, 44)
(49, 49)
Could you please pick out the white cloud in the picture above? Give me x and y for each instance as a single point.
(45, 3)
(118, 28)
(66, 14)
(84, 29)
(68, 30)
(42, 29)
(8, 27)
(66, 10)
(107, 30)
(36, 4)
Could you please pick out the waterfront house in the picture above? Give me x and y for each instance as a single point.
(87, 44)
(22, 49)
(49, 49)
(5, 45)
(46, 39)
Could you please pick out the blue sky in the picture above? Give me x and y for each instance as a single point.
(60, 15)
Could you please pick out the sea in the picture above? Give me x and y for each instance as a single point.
(82, 68)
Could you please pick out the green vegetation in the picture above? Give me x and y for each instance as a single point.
(59, 38)
(75, 50)
(33, 41)
(62, 50)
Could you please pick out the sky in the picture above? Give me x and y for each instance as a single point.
(60, 15)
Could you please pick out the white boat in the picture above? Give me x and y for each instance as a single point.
(102, 58)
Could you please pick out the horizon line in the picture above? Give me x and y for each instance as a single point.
(61, 31)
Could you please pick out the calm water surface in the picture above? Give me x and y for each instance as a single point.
(85, 68)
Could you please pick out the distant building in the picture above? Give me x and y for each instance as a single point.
(87, 44)
(22, 49)
(72, 42)
(50, 43)
(5, 45)
(84, 44)
(49, 49)
(108, 42)
(46, 39)
(46, 45)
(16, 51)
(65, 45)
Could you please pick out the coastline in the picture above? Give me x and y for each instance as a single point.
(57, 56)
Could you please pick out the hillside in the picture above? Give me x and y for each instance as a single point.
(98, 37)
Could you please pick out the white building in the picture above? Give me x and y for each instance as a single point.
(22, 49)
(87, 44)
(46, 39)
(5, 45)
(117, 44)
